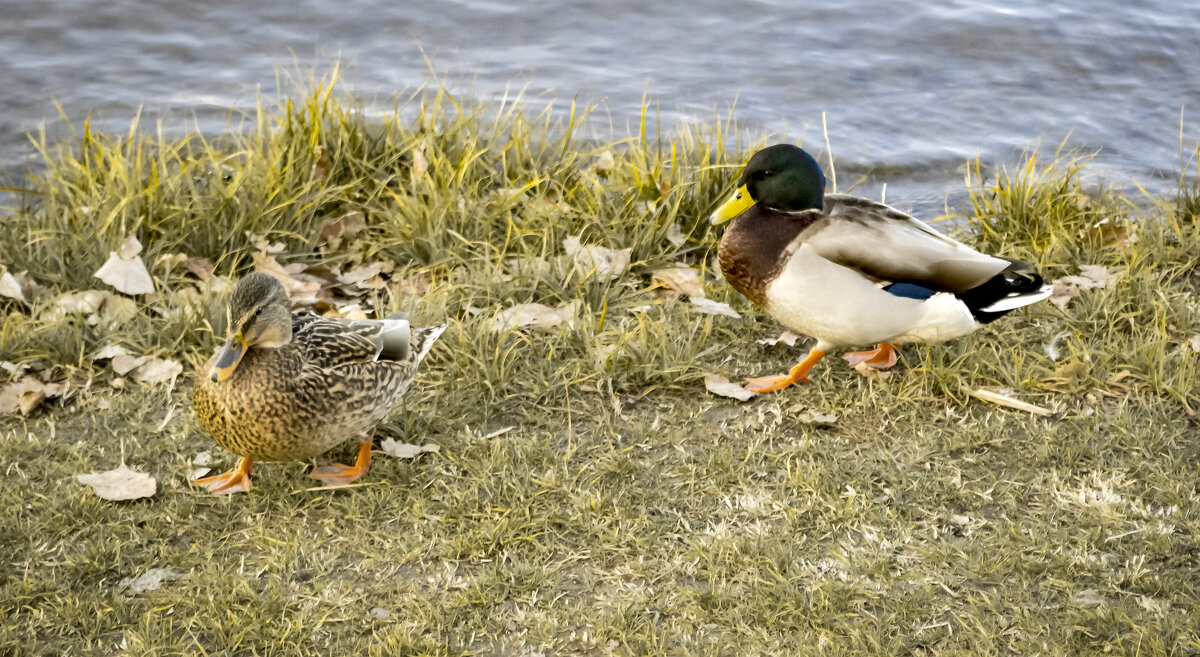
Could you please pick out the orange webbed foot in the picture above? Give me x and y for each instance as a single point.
(798, 374)
(883, 357)
(236, 480)
(337, 474)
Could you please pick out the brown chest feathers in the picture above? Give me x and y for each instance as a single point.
(751, 252)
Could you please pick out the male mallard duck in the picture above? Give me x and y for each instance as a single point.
(287, 387)
(848, 271)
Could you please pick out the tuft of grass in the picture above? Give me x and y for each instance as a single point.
(588, 496)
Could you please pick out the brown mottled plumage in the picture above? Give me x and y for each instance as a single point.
(302, 384)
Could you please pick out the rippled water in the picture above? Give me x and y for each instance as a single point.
(911, 90)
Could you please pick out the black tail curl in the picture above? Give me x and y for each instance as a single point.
(1018, 279)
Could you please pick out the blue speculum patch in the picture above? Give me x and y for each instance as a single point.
(909, 291)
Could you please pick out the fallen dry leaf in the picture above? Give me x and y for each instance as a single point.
(109, 352)
(608, 264)
(201, 268)
(84, 303)
(871, 372)
(125, 271)
(26, 394)
(360, 274)
(158, 370)
(405, 450)
(200, 463)
(348, 311)
(300, 289)
(719, 385)
(1070, 370)
(10, 287)
(416, 284)
(151, 580)
(339, 230)
(171, 259)
(1090, 277)
(813, 417)
(1108, 232)
(535, 316)
(1011, 402)
(711, 307)
(676, 281)
(787, 337)
(120, 484)
(1088, 598)
(125, 363)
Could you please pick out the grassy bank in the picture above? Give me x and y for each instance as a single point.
(588, 496)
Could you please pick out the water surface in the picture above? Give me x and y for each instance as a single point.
(911, 90)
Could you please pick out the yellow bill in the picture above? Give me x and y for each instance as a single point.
(227, 361)
(737, 204)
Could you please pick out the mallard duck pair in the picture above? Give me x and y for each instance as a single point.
(290, 387)
(848, 271)
(842, 269)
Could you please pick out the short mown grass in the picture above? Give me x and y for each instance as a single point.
(589, 497)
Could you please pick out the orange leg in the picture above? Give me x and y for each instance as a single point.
(798, 374)
(882, 358)
(236, 480)
(336, 474)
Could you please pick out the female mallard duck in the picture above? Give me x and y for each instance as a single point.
(287, 387)
(848, 271)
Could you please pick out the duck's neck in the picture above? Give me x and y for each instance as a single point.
(751, 252)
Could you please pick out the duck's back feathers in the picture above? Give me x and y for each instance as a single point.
(886, 244)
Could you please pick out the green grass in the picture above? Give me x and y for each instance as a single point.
(625, 511)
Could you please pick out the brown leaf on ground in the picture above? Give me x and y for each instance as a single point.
(9, 286)
(359, 275)
(151, 580)
(405, 450)
(301, 288)
(336, 231)
(608, 264)
(125, 271)
(348, 311)
(1109, 232)
(201, 268)
(676, 281)
(125, 363)
(813, 417)
(120, 484)
(1090, 277)
(416, 284)
(787, 337)
(710, 307)
(871, 372)
(158, 370)
(536, 316)
(719, 385)
(26, 394)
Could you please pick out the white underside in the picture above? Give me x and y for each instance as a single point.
(841, 308)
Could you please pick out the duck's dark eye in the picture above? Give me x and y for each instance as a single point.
(258, 312)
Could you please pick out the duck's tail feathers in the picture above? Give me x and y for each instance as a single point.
(1016, 286)
(422, 341)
